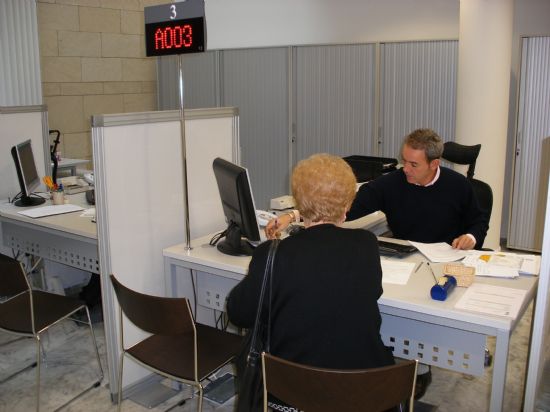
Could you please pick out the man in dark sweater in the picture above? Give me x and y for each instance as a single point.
(423, 201)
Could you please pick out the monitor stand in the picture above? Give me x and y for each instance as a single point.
(233, 244)
(29, 201)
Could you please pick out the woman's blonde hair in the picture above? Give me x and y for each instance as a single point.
(324, 187)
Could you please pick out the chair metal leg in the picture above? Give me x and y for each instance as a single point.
(200, 397)
(38, 346)
(94, 343)
(120, 367)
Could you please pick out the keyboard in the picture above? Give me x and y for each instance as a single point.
(391, 248)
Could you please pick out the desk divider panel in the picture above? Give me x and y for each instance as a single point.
(140, 203)
(18, 124)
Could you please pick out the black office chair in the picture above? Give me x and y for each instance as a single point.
(467, 155)
(462, 155)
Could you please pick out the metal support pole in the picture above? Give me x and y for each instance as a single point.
(184, 157)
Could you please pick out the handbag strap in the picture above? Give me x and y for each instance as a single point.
(267, 274)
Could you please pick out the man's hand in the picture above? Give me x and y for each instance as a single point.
(275, 226)
(464, 242)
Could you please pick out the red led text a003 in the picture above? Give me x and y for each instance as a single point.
(176, 37)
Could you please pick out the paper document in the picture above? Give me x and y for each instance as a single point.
(50, 210)
(492, 300)
(88, 212)
(439, 252)
(396, 272)
(502, 264)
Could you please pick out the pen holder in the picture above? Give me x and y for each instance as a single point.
(58, 198)
(443, 287)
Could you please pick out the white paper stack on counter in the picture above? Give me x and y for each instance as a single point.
(501, 264)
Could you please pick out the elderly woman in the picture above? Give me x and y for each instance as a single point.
(326, 279)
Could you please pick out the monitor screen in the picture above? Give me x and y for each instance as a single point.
(27, 174)
(238, 208)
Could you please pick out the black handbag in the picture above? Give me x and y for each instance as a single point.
(248, 361)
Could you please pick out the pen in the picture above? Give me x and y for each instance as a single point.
(418, 267)
(431, 270)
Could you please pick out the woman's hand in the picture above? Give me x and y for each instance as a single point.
(275, 226)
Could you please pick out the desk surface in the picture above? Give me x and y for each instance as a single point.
(72, 223)
(412, 298)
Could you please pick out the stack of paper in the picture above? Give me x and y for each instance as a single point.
(501, 264)
(439, 252)
(492, 300)
(396, 272)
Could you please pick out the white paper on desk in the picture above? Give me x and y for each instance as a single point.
(524, 264)
(492, 300)
(486, 269)
(439, 252)
(90, 212)
(530, 265)
(50, 210)
(396, 272)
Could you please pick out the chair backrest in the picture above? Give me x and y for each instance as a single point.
(462, 155)
(323, 390)
(484, 195)
(154, 314)
(12, 277)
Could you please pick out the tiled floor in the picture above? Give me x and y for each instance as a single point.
(70, 364)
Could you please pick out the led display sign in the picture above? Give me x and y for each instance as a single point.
(175, 28)
(175, 37)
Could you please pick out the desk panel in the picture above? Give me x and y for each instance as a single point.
(68, 238)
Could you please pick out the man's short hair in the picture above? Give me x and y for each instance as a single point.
(427, 140)
(324, 187)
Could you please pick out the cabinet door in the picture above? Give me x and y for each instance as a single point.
(334, 100)
(532, 147)
(417, 89)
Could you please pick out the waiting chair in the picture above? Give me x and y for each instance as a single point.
(326, 390)
(29, 313)
(178, 348)
(462, 155)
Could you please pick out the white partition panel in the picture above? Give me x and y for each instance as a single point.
(17, 124)
(539, 354)
(140, 202)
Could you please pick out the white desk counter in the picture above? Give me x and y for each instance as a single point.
(414, 325)
(67, 238)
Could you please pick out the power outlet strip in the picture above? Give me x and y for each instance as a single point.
(212, 299)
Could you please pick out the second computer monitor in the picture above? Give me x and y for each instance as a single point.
(27, 174)
(238, 207)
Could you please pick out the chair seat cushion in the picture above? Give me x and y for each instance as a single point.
(174, 355)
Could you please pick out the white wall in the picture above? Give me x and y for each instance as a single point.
(261, 23)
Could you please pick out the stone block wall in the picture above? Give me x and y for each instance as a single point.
(93, 62)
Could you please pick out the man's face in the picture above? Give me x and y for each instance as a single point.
(416, 166)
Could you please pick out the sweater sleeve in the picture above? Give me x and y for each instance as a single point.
(369, 199)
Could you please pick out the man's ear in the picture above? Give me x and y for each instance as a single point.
(434, 164)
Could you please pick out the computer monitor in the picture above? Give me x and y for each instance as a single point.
(238, 207)
(27, 174)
